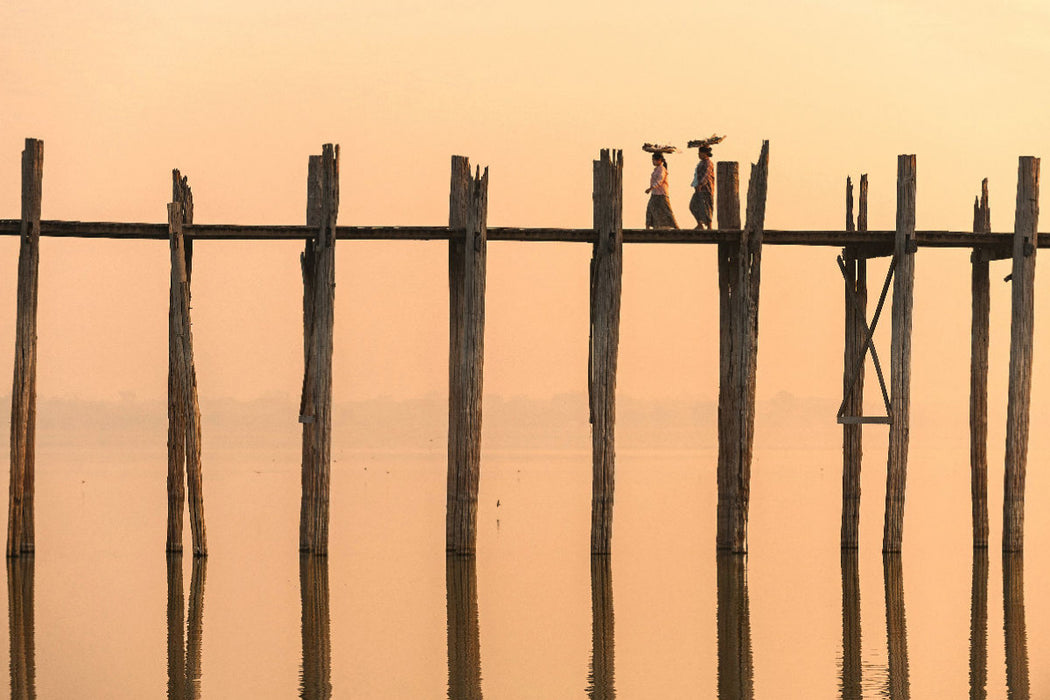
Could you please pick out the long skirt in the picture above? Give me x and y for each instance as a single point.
(702, 205)
(658, 214)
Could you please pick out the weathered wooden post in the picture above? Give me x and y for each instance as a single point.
(896, 626)
(1017, 676)
(1022, 322)
(186, 416)
(743, 331)
(464, 640)
(728, 186)
(852, 666)
(467, 346)
(606, 284)
(177, 419)
(20, 530)
(856, 303)
(21, 627)
(601, 679)
(735, 660)
(317, 640)
(979, 624)
(315, 412)
(980, 313)
(900, 355)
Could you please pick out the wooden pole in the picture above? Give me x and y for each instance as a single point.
(318, 264)
(316, 678)
(896, 627)
(852, 666)
(1017, 676)
(728, 185)
(458, 199)
(20, 529)
(735, 663)
(464, 641)
(177, 419)
(1022, 321)
(744, 331)
(602, 675)
(900, 355)
(979, 625)
(181, 327)
(21, 627)
(465, 394)
(856, 304)
(308, 263)
(606, 284)
(980, 313)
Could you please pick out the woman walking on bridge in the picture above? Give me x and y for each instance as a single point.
(658, 214)
(702, 204)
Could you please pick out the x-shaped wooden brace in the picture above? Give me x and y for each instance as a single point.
(868, 345)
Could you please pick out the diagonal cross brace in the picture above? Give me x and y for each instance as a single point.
(868, 345)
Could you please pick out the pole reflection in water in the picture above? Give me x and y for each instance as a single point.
(979, 625)
(184, 642)
(316, 677)
(850, 680)
(896, 627)
(735, 670)
(1014, 626)
(602, 672)
(20, 622)
(464, 642)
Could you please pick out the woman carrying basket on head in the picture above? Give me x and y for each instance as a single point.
(658, 213)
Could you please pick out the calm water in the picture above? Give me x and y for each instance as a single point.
(101, 612)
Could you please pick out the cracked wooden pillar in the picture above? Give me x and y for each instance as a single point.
(1022, 320)
(315, 411)
(742, 317)
(606, 284)
(184, 431)
(856, 300)
(728, 185)
(177, 420)
(900, 355)
(467, 255)
(980, 313)
(20, 530)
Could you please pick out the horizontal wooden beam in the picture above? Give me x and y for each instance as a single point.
(858, 420)
(872, 242)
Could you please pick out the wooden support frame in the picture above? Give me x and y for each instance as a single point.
(979, 319)
(606, 285)
(467, 272)
(184, 428)
(900, 355)
(20, 526)
(315, 412)
(1022, 322)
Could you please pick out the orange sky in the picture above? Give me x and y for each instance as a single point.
(237, 95)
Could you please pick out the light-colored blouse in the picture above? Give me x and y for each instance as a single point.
(658, 181)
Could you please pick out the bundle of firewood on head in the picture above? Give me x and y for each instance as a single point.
(705, 144)
(657, 148)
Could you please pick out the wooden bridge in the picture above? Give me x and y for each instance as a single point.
(739, 249)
